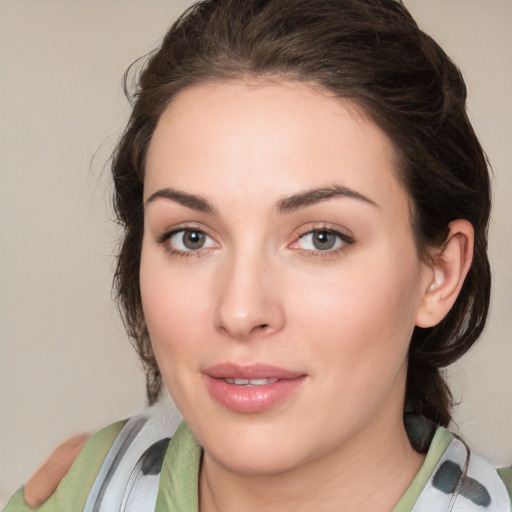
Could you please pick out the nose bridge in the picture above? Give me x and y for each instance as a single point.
(248, 302)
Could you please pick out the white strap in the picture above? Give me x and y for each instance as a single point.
(126, 482)
(463, 482)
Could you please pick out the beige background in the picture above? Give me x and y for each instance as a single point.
(65, 363)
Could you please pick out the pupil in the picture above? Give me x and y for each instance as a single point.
(324, 240)
(193, 239)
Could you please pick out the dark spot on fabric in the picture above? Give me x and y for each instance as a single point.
(473, 490)
(154, 457)
(447, 477)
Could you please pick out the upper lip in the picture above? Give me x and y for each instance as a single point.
(250, 371)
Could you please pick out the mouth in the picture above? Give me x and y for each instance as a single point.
(244, 374)
(253, 388)
(249, 382)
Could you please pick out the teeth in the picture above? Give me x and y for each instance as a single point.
(261, 382)
(250, 382)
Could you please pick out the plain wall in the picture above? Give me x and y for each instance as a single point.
(65, 364)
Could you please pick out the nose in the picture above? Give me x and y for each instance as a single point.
(249, 304)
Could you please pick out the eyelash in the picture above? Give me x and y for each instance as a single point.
(164, 240)
(346, 241)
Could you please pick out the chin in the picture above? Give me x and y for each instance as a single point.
(259, 448)
(257, 462)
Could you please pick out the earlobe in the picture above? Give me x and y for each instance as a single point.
(446, 274)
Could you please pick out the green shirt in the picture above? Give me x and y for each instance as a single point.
(178, 490)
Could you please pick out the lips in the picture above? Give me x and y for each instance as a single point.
(253, 388)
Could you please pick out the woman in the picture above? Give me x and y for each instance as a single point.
(305, 208)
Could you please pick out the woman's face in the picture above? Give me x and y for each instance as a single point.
(279, 276)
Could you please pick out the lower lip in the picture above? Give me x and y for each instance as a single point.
(252, 399)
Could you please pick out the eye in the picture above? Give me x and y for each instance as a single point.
(322, 240)
(187, 240)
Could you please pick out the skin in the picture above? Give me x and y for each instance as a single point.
(258, 291)
(47, 478)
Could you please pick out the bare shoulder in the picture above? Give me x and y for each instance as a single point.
(47, 478)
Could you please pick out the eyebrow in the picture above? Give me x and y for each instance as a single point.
(189, 200)
(317, 195)
(285, 205)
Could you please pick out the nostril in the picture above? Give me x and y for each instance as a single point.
(260, 327)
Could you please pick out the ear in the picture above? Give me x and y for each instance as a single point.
(446, 273)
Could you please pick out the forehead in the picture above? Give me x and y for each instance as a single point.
(279, 138)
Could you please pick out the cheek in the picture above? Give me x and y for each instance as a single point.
(173, 306)
(363, 316)
(174, 310)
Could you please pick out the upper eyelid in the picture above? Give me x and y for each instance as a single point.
(185, 227)
(300, 232)
(324, 226)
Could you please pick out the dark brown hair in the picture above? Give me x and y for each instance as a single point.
(373, 53)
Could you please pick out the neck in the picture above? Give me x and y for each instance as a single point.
(370, 473)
